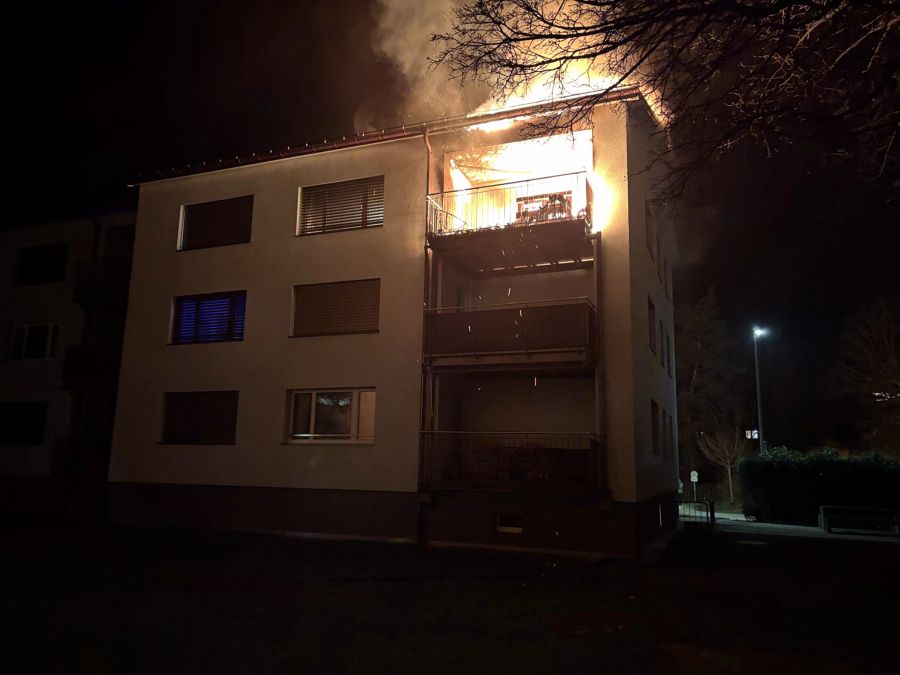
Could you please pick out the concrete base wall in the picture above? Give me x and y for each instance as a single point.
(364, 514)
(552, 524)
(560, 524)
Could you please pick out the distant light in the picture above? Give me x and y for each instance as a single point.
(760, 332)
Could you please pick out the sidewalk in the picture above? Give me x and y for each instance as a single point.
(736, 523)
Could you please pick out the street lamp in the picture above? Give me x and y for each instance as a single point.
(758, 333)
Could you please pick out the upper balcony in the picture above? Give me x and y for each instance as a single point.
(542, 224)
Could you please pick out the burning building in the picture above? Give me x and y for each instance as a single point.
(456, 333)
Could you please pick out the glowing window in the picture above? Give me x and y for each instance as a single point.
(214, 317)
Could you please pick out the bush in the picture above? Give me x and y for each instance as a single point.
(784, 486)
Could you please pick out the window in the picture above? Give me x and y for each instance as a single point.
(654, 426)
(662, 352)
(337, 308)
(349, 205)
(219, 223)
(651, 319)
(22, 422)
(664, 441)
(650, 226)
(214, 317)
(46, 264)
(33, 342)
(199, 417)
(669, 354)
(331, 415)
(671, 437)
(666, 276)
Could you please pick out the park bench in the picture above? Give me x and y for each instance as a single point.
(859, 520)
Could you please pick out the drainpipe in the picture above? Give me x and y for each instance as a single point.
(424, 499)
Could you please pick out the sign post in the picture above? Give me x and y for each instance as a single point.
(694, 478)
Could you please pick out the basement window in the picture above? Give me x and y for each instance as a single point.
(346, 415)
(508, 524)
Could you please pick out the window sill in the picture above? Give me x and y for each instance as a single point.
(346, 332)
(193, 444)
(324, 441)
(204, 342)
(344, 229)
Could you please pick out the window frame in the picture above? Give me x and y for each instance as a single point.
(182, 220)
(651, 320)
(294, 334)
(299, 230)
(166, 438)
(312, 438)
(50, 346)
(174, 312)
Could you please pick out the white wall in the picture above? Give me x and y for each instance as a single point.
(268, 362)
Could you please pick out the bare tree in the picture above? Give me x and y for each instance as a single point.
(777, 71)
(869, 370)
(706, 371)
(724, 447)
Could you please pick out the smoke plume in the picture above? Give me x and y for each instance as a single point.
(402, 34)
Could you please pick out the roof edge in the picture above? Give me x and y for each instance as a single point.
(390, 134)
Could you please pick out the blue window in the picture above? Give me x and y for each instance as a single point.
(214, 317)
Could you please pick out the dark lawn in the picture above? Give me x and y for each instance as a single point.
(153, 601)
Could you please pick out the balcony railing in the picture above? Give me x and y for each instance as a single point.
(527, 202)
(565, 463)
(515, 328)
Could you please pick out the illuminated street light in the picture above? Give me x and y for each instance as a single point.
(758, 333)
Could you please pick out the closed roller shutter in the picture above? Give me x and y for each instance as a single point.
(200, 417)
(335, 308)
(220, 223)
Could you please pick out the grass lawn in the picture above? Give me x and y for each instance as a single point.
(175, 601)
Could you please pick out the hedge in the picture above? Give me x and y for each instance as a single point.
(784, 486)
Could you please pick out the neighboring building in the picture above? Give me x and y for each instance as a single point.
(279, 372)
(62, 292)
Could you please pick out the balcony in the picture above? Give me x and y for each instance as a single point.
(537, 463)
(530, 334)
(542, 224)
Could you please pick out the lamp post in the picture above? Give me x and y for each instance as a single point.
(758, 333)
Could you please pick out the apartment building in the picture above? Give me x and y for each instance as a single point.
(455, 333)
(63, 291)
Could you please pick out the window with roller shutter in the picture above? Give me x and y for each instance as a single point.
(337, 308)
(213, 317)
(199, 417)
(223, 222)
(348, 205)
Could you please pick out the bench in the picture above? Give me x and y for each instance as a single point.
(859, 520)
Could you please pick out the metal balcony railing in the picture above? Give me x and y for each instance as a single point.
(517, 204)
(565, 463)
(516, 328)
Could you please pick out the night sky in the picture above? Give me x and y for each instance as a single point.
(103, 92)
